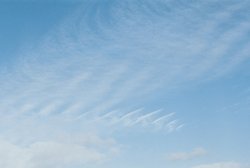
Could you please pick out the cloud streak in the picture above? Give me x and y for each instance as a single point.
(111, 54)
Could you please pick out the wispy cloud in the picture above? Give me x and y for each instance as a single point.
(98, 63)
(223, 165)
(196, 152)
(155, 120)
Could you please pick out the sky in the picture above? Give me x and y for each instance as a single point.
(124, 83)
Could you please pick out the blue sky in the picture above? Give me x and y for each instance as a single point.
(117, 84)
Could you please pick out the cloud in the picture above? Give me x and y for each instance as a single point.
(197, 152)
(46, 154)
(53, 154)
(112, 56)
(155, 120)
(223, 165)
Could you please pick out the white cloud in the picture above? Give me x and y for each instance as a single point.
(54, 154)
(12, 156)
(197, 152)
(47, 154)
(223, 165)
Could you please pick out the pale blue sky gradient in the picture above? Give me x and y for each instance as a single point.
(124, 83)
